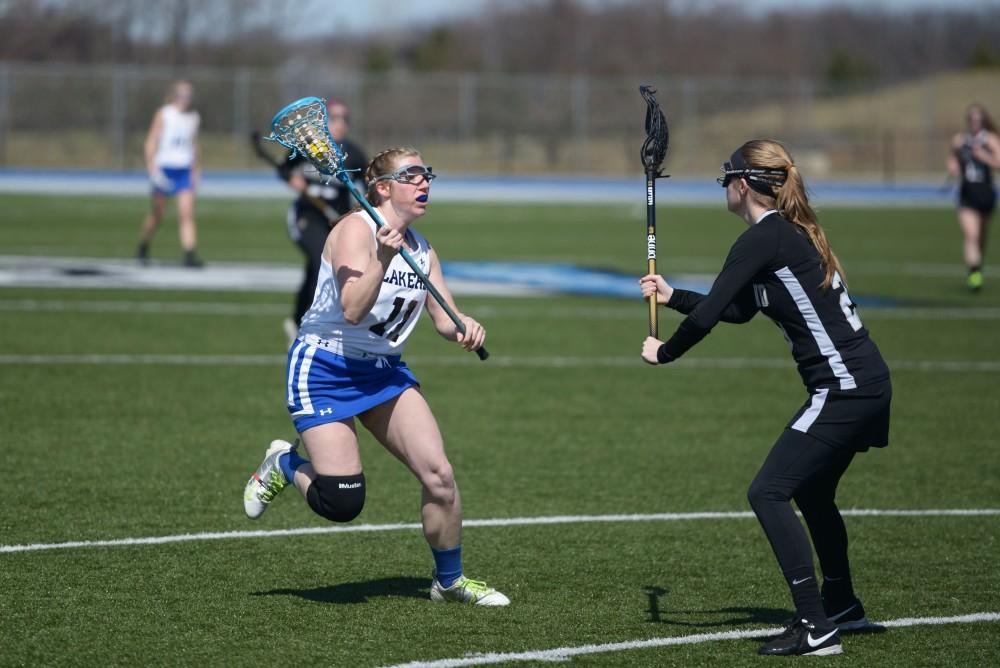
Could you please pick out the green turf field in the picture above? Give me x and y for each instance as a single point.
(563, 420)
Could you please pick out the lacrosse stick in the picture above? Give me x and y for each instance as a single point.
(654, 150)
(258, 147)
(302, 127)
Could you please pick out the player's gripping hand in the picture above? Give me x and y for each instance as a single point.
(160, 180)
(389, 242)
(654, 284)
(649, 348)
(475, 334)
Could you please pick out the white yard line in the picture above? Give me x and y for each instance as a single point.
(489, 522)
(564, 653)
(510, 361)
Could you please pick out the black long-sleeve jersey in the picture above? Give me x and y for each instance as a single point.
(774, 268)
(329, 189)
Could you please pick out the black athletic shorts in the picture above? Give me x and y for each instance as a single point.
(855, 419)
(979, 196)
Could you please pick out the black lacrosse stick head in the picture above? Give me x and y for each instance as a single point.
(654, 149)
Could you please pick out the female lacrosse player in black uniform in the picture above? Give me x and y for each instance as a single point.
(783, 266)
(321, 201)
(974, 155)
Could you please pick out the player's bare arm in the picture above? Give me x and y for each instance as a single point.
(152, 141)
(990, 154)
(952, 160)
(360, 264)
(475, 333)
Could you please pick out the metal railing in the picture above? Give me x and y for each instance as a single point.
(96, 117)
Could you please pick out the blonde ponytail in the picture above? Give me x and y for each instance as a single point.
(791, 200)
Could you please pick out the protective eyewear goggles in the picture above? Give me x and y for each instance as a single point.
(760, 176)
(409, 174)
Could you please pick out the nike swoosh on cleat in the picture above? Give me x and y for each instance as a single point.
(834, 618)
(798, 582)
(817, 643)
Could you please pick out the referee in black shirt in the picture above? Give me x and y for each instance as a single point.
(783, 266)
(321, 202)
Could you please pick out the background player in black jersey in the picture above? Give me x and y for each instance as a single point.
(320, 203)
(974, 155)
(784, 266)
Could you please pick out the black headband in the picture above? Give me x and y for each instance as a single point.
(764, 180)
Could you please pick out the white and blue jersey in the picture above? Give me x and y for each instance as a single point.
(176, 148)
(336, 369)
(387, 326)
(175, 151)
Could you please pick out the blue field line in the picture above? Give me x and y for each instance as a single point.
(475, 188)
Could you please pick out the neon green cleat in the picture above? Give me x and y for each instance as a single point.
(266, 482)
(975, 281)
(464, 590)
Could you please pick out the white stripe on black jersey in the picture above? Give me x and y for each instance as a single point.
(774, 268)
(816, 403)
(816, 327)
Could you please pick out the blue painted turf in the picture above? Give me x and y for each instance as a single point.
(546, 278)
(554, 278)
(498, 279)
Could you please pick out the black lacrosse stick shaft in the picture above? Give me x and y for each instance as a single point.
(654, 150)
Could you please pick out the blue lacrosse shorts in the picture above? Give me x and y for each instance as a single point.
(325, 387)
(179, 180)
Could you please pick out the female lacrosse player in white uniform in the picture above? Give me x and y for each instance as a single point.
(172, 161)
(346, 364)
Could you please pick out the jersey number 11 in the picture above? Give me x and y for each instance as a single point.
(397, 306)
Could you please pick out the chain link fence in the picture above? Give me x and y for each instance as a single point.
(90, 117)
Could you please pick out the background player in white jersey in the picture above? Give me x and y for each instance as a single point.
(346, 364)
(173, 164)
(974, 155)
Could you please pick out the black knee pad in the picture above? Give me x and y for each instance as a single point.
(337, 498)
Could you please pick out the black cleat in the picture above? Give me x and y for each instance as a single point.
(142, 254)
(804, 638)
(192, 261)
(847, 617)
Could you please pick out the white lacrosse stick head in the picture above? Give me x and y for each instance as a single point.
(302, 127)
